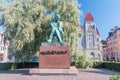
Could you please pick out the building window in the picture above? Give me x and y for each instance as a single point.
(93, 55)
(1, 41)
(97, 39)
(1, 57)
(3, 48)
(111, 43)
(91, 40)
(0, 47)
(98, 47)
(92, 27)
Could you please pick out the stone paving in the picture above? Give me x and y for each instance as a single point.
(96, 74)
(84, 74)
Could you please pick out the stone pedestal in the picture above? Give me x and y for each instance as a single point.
(56, 74)
(54, 57)
(55, 64)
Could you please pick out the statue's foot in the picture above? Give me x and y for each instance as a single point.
(61, 43)
(49, 40)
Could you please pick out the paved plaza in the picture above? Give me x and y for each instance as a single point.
(96, 74)
(84, 74)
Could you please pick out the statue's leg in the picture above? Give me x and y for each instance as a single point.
(61, 33)
(59, 36)
(51, 35)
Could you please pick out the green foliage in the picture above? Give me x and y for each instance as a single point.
(11, 66)
(112, 65)
(82, 60)
(5, 66)
(14, 66)
(27, 24)
(115, 78)
(98, 65)
(108, 65)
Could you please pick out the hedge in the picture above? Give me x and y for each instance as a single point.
(98, 65)
(9, 66)
(108, 65)
(5, 66)
(115, 78)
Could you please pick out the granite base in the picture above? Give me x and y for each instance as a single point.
(54, 57)
(55, 74)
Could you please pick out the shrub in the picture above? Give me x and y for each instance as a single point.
(14, 66)
(11, 66)
(115, 78)
(82, 60)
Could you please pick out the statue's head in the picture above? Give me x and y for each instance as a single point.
(56, 16)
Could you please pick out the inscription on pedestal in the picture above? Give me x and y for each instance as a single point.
(54, 57)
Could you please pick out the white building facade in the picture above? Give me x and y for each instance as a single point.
(3, 47)
(90, 40)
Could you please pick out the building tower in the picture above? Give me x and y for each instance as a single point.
(90, 40)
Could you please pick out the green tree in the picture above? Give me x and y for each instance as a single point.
(27, 24)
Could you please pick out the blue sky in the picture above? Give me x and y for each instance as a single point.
(106, 14)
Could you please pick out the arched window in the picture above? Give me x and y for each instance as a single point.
(91, 40)
(92, 27)
(93, 54)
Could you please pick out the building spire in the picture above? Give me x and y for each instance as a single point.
(89, 17)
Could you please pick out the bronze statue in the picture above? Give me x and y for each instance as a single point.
(57, 29)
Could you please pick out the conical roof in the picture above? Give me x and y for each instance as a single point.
(89, 17)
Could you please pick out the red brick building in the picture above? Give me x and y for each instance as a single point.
(111, 52)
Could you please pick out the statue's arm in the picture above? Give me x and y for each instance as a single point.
(51, 25)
